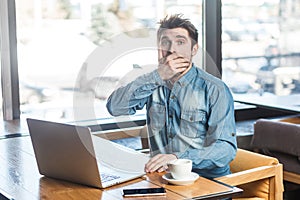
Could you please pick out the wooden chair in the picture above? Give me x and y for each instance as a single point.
(258, 175)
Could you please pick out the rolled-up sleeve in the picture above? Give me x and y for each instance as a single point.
(127, 99)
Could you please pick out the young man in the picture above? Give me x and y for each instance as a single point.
(190, 114)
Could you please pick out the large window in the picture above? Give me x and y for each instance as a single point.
(57, 38)
(261, 53)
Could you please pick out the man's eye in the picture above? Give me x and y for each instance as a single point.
(165, 43)
(180, 42)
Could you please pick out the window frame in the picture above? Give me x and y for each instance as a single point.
(212, 42)
(9, 61)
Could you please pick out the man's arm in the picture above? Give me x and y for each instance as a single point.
(126, 100)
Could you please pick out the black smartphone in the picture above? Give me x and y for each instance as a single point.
(143, 192)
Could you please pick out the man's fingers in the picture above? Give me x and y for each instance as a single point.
(172, 58)
(153, 164)
(183, 65)
(156, 163)
(177, 59)
(163, 168)
(160, 54)
(179, 63)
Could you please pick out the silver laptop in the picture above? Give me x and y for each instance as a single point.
(72, 153)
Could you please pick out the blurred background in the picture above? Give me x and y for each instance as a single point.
(260, 47)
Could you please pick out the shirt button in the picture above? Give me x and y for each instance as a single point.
(170, 116)
(191, 118)
(172, 97)
(233, 134)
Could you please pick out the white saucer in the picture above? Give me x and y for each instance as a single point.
(168, 177)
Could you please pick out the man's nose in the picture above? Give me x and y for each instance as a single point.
(172, 47)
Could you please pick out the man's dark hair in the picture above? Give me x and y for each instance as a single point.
(177, 21)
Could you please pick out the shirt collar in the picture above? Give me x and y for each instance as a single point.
(188, 77)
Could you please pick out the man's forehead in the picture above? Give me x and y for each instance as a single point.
(175, 32)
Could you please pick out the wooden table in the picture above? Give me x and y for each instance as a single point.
(19, 177)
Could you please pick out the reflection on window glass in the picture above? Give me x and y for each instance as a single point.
(55, 38)
(260, 50)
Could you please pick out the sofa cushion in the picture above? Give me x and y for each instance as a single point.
(277, 136)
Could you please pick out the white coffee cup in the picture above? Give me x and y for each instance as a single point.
(180, 168)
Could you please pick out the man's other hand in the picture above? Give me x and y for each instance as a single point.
(159, 162)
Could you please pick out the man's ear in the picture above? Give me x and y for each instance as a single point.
(195, 49)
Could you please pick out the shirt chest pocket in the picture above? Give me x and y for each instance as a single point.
(193, 123)
(157, 115)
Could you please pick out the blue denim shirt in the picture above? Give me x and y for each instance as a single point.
(194, 119)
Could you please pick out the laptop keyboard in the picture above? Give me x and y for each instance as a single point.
(108, 177)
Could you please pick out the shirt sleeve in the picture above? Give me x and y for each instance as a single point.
(126, 100)
(219, 147)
